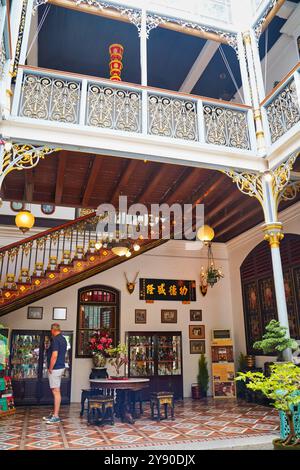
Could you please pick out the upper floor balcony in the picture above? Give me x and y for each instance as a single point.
(177, 98)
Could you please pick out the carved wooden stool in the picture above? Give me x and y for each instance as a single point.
(159, 399)
(87, 393)
(101, 410)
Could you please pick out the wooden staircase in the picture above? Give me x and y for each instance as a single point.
(55, 259)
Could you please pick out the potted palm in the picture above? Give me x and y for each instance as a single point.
(282, 387)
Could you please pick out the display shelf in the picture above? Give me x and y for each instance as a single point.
(7, 405)
(223, 374)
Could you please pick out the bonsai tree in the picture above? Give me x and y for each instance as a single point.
(203, 377)
(275, 340)
(281, 387)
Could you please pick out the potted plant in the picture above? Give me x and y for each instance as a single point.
(117, 358)
(100, 345)
(275, 340)
(242, 367)
(283, 388)
(202, 377)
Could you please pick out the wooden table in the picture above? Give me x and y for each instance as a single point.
(122, 388)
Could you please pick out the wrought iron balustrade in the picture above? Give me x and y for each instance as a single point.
(89, 102)
(282, 109)
(51, 98)
(226, 126)
(113, 108)
(172, 117)
(45, 252)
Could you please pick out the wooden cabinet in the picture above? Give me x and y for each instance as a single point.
(157, 356)
(28, 361)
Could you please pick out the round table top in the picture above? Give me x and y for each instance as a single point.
(115, 383)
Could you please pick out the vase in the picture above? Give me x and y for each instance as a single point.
(99, 360)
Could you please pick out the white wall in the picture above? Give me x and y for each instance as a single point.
(64, 213)
(238, 249)
(168, 261)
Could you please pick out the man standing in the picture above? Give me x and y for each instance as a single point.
(56, 365)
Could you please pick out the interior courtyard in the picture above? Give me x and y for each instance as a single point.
(149, 224)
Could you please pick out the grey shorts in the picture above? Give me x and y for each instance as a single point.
(55, 378)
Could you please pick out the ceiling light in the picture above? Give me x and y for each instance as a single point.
(205, 233)
(98, 245)
(136, 247)
(24, 220)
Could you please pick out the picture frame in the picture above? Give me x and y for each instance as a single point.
(197, 346)
(140, 316)
(196, 331)
(17, 206)
(47, 209)
(169, 316)
(34, 313)
(195, 315)
(59, 313)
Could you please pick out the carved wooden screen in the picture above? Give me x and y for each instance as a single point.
(259, 298)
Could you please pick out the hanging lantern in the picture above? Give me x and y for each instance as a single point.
(115, 65)
(24, 220)
(205, 234)
(211, 275)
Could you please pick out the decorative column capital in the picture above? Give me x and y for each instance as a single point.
(273, 234)
(247, 37)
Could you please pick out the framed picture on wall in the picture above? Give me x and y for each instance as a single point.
(195, 315)
(35, 313)
(59, 313)
(169, 316)
(140, 316)
(197, 347)
(196, 331)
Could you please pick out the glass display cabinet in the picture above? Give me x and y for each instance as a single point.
(157, 356)
(28, 360)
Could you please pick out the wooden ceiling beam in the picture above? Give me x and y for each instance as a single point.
(124, 179)
(236, 210)
(160, 172)
(93, 177)
(28, 185)
(60, 176)
(238, 221)
(186, 184)
(212, 184)
(223, 203)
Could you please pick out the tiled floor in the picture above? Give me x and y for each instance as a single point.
(195, 421)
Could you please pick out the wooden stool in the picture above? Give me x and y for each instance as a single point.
(100, 410)
(87, 393)
(159, 399)
(136, 398)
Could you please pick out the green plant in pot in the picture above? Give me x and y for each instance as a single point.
(203, 376)
(283, 388)
(275, 340)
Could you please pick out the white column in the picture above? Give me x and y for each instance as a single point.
(260, 136)
(274, 235)
(26, 33)
(143, 49)
(244, 71)
(257, 67)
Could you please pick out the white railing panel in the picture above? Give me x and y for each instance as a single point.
(226, 126)
(48, 97)
(113, 107)
(170, 116)
(283, 109)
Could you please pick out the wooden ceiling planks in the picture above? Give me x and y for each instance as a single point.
(76, 179)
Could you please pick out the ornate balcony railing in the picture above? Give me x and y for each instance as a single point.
(282, 108)
(91, 102)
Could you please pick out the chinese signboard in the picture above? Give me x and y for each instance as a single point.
(167, 289)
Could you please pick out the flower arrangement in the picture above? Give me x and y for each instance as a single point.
(118, 357)
(100, 343)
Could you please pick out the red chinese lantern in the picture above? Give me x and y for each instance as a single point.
(115, 65)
